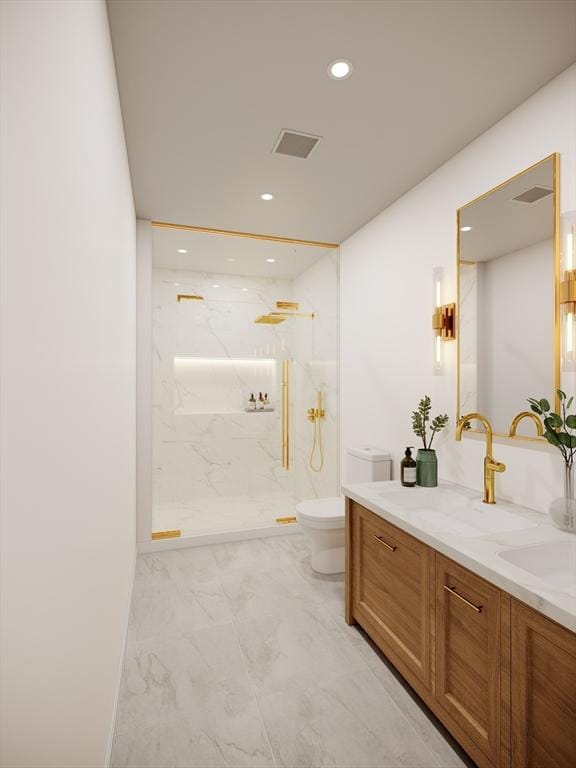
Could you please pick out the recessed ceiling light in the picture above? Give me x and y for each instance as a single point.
(267, 196)
(215, 285)
(230, 259)
(465, 229)
(182, 250)
(270, 261)
(243, 289)
(340, 69)
(176, 283)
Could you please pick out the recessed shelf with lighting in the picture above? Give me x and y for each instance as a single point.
(210, 386)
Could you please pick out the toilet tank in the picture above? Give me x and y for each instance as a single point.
(366, 465)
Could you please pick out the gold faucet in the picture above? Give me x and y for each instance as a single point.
(490, 465)
(525, 415)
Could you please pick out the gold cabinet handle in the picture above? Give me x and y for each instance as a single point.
(477, 608)
(388, 546)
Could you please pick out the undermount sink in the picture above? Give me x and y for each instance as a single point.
(456, 512)
(554, 561)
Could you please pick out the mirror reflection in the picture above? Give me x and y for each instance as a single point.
(506, 273)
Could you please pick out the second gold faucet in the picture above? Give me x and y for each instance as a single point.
(491, 466)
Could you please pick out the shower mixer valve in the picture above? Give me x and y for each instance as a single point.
(317, 413)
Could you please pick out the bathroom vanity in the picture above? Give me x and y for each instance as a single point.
(475, 605)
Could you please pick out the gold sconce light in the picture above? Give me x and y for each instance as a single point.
(443, 320)
(568, 290)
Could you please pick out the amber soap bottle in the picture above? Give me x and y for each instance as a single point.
(408, 470)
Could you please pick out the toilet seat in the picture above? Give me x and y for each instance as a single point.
(325, 514)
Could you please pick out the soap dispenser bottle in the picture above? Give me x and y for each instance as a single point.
(408, 469)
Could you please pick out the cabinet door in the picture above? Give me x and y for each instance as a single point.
(543, 697)
(468, 653)
(391, 591)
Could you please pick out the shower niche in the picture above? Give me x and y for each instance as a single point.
(261, 317)
(224, 385)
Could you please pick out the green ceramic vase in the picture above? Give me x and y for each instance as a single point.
(426, 468)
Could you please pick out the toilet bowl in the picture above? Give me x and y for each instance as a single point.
(323, 520)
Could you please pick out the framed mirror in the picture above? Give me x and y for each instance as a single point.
(508, 304)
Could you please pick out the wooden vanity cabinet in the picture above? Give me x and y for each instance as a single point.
(499, 675)
(391, 592)
(468, 653)
(543, 692)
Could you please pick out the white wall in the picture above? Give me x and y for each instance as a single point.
(386, 298)
(68, 380)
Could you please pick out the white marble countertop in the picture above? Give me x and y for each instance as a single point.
(454, 521)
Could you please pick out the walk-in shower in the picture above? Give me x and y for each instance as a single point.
(245, 345)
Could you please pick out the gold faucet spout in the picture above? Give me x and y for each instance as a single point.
(491, 466)
(525, 415)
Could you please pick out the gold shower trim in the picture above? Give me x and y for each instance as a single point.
(290, 305)
(156, 535)
(233, 233)
(286, 520)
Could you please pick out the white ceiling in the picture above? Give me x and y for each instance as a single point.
(501, 225)
(211, 253)
(206, 87)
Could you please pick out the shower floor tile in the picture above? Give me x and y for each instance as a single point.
(222, 514)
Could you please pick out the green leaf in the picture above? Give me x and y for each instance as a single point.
(568, 440)
(553, 421)
(569, 403)
(552, 438)
(544, 404)
(536, 409)
(571, 421)
(561, 394)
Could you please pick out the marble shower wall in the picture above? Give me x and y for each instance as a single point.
(208, 356)
(316, 367)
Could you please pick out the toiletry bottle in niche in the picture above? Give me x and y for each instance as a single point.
(252, 402)
(408, 469)
(260, 402)
(266, 401)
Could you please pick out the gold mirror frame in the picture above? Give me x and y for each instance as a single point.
(555, 157)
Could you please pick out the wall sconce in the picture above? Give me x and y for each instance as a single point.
(443, 319)
(568, 290)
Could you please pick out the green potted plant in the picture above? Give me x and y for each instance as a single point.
(560, 431)
(426, 460)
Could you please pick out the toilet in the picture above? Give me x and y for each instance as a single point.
(323, 520)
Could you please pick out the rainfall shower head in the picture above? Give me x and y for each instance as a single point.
(273, 318)
(270, 319)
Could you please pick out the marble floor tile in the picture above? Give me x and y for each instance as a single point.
(255, 554)
(210, 738)
(292, 649)
(166, 677)
(239, 655)
(194, 564)
(348, 721)
(161, 607)
(255, 592)
(430, 730)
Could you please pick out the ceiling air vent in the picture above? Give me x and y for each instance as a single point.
(295, 144)
(532, 195)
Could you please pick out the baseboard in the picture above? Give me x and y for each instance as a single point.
(220, 537)
(121, 665)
